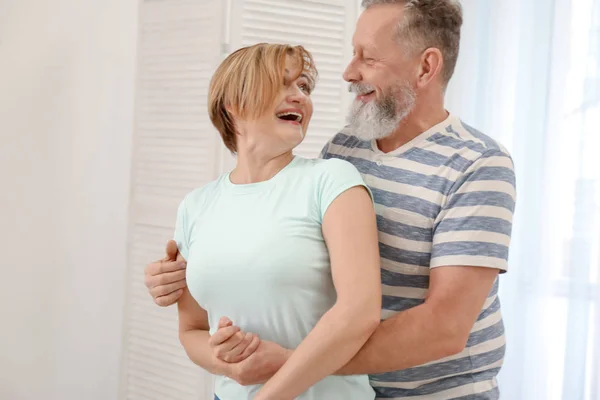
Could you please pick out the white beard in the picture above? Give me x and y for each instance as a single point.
(378, 119)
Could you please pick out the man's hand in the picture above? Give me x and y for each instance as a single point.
(231, 345)
(261, 365)
(165, 279)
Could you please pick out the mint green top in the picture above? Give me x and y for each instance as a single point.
(256, 254)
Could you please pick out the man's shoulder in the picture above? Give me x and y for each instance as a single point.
(461, 135)
(343, 144)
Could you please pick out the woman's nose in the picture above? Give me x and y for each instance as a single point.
(297, 96)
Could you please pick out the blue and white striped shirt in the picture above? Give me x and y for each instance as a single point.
(446, 198)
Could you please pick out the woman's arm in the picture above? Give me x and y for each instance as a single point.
(350, 231)
(211, 352)
(194, 336)
(228, 343)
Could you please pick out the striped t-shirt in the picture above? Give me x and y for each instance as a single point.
(445, 198)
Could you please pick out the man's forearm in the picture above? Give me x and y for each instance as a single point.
(408, 339)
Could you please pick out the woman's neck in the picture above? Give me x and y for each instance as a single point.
(253, 168)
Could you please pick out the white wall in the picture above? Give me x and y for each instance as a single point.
(66, 109)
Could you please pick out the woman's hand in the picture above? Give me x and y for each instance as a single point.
(261, 365)
(231, 345)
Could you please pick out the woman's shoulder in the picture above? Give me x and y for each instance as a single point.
(330, 178)
(196, 197)
(332, 173)
(334, 166)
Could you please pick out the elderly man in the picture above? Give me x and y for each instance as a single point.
(444, 195)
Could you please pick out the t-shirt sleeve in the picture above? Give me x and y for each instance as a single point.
(324, 151)
(336, 177)
(181, 230)
(474, 226)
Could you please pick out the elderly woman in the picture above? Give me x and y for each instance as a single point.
(286, 247)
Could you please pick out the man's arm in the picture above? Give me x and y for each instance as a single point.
(436, 329)
(470, 246)
(433, 330)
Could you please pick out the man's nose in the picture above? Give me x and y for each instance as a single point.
(351, 74)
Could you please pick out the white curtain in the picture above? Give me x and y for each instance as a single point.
(529, 75)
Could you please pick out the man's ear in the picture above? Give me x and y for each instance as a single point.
(431, 64)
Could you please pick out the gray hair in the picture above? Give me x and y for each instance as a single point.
(430, 23)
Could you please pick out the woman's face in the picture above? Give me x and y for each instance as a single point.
(285, 123)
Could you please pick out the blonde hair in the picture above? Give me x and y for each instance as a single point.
(248, 81)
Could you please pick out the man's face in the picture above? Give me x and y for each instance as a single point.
(381, 74)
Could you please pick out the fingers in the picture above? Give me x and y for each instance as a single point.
(230, 344)
(241, 346)
(234, 354)
(165, 301)
(223, 350)
(162, 267)
(163, 290)
(224, 322)
(152, 281)
(254, 343)
(171, 251)
(223, 335)
(165, 279)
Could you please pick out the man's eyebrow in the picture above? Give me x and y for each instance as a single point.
(370, 48)
(366, 46)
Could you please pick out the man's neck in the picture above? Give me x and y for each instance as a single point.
(412, 126)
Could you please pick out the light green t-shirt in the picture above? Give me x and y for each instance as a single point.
(256, 254)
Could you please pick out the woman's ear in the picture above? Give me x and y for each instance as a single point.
(230, 111)
(229, 117)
